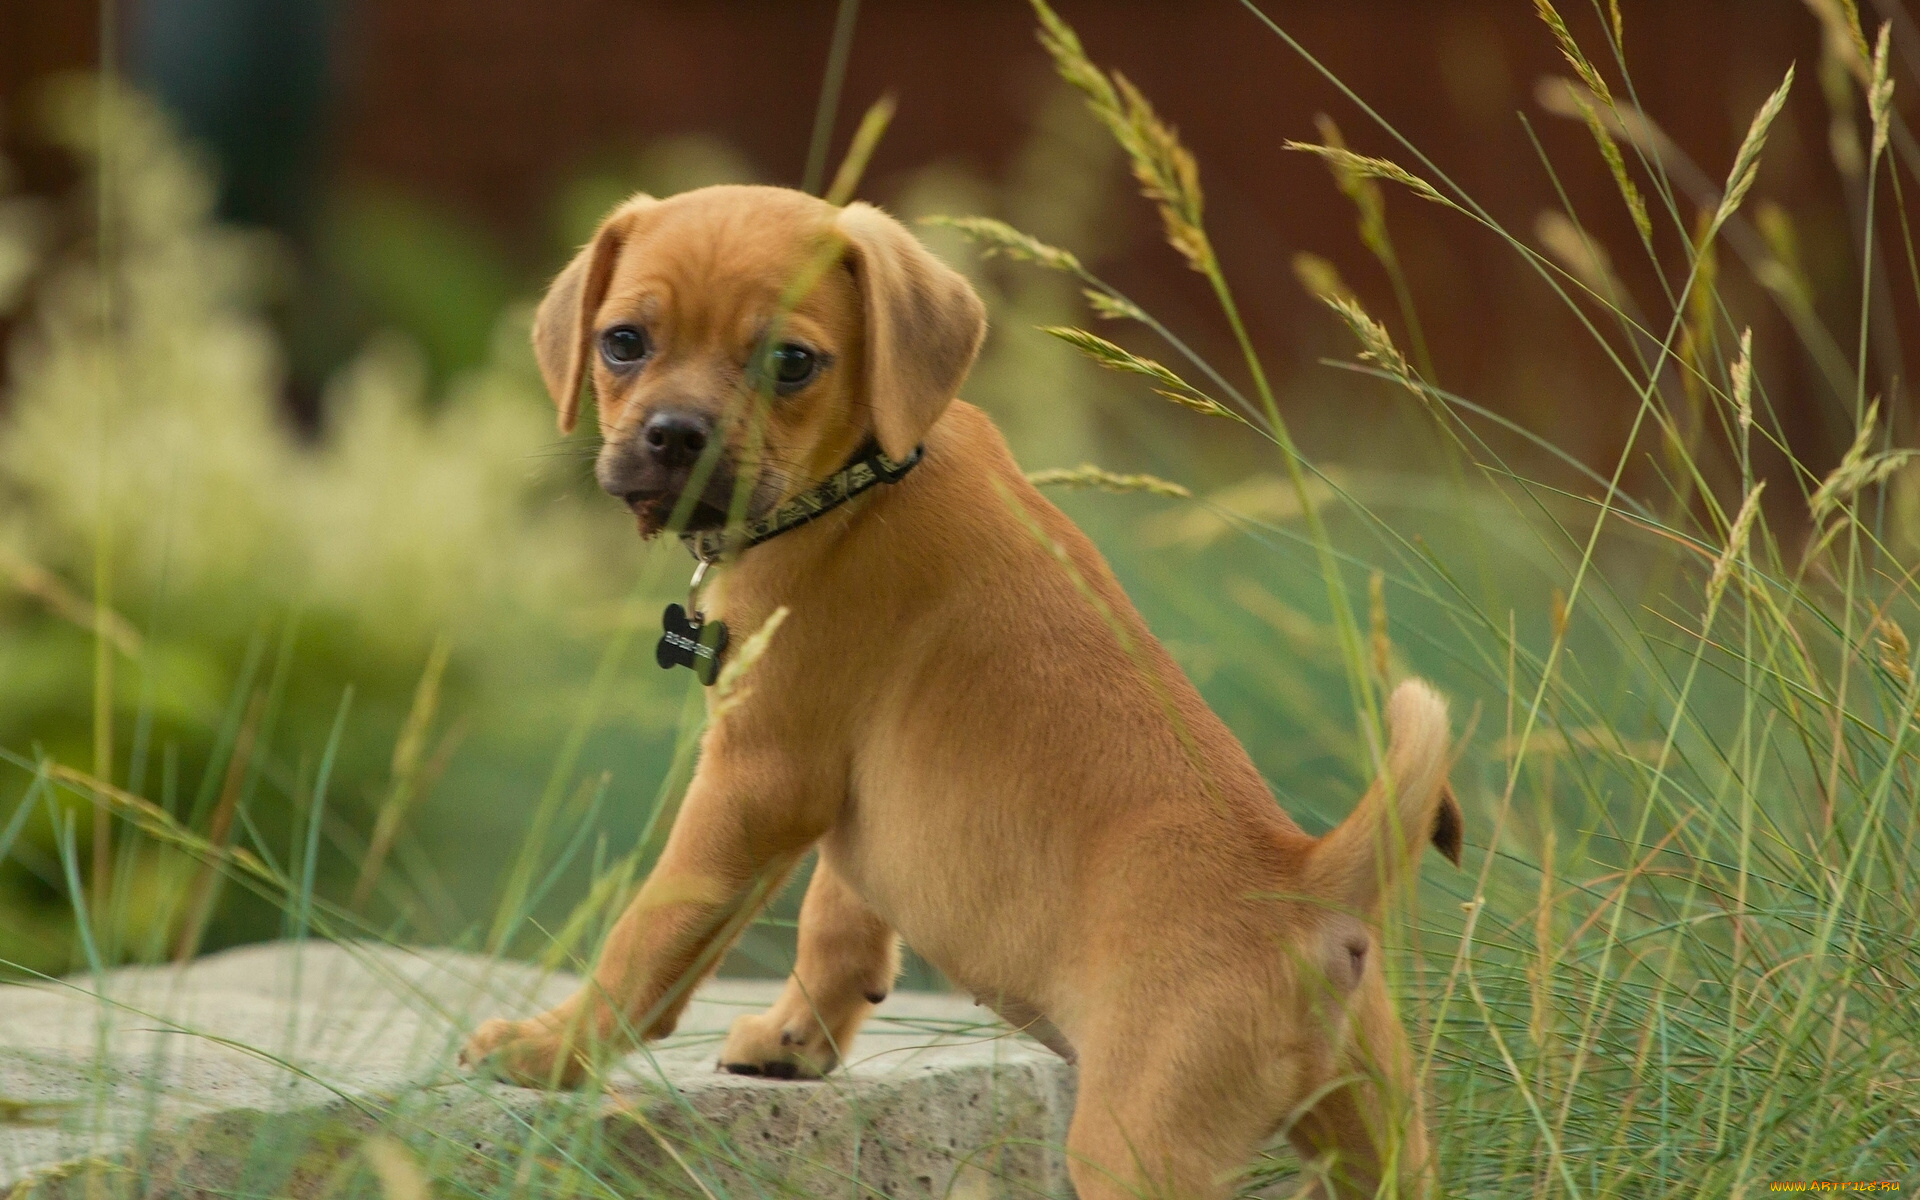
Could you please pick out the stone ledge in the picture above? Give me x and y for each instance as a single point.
(263, 1070)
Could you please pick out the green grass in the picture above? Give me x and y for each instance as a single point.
(1681, 960)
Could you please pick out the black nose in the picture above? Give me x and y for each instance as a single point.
(675, 439)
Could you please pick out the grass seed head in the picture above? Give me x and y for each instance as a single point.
(1376, 345)
(1858, 468)
(1570, 49)
(1880, 93)
(1165, 170)
(1846, 38)
(1113, 307)
(1363, 190)
(1896, 653)
(1746, 162)
(1617, 166)
(1737, 537)
(1086, 475)
(1118, 358)
(1320, 277)
(998, 237)
(1742, 376)
(1364, 166)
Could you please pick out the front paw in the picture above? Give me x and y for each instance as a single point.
(763, 1045)
(530, 1053)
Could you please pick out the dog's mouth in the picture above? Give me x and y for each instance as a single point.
(655, 512)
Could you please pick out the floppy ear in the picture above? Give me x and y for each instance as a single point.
(924, 326)
(563, 325)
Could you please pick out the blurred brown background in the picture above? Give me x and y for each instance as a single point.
(479, 111)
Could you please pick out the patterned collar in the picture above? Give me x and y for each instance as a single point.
(870, 467)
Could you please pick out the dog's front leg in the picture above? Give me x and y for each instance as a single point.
(848, 957)
(738, 835)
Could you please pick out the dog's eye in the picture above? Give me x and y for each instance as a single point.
(624, 345)
(793, 367)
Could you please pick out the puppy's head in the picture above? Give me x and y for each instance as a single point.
(743, 342)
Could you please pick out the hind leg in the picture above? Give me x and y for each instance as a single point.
(1169, 1127)
(847, 961)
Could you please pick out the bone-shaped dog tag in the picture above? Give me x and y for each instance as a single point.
(694, 642)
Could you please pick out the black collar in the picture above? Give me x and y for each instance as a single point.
(869, 468)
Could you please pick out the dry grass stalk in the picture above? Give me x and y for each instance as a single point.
(1110, 307)
(201, 895)
(1602, 136)
(1746, 162)
(409, 781)
(1880, 93)
(1844, 34)
(157, 823)
(1696, 340)
(1896, 653)
(1742, 377)
(397, 1170)
(1320, 277)
(1365, 166)
(872, 126)
(730, 688)
(1381, 643)
(1376, 345)
(1617, 166)
(1363, 190)
(1858, 468)
(1737, 537)
(1165, 170)
(50, 590)
(1116, 358)
(998, 237)
(1086, 475)
(1584, 258)
(1571, 51)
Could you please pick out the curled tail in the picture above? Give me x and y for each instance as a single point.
(1359, 860)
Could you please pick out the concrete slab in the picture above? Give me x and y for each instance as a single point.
(271, 1070)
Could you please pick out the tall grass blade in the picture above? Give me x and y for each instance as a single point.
(873, 126)
(316, 817)
(200, 898)
(408, 782)
(838, 51)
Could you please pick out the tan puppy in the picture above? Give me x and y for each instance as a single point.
(969, 720)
